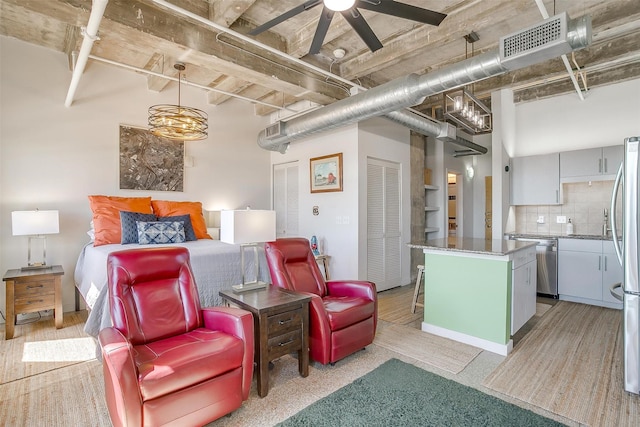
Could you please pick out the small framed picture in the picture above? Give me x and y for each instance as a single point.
(326, 173)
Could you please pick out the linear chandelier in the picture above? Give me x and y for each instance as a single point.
(177, 121)
(462, 107)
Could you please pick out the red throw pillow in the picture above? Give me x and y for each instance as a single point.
(106, 215)
(193, 209)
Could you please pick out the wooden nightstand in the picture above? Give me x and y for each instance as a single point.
(33, 290)
(281, 326)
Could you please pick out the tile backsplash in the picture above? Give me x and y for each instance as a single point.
(583, 202)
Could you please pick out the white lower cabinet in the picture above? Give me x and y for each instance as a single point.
(586, 269)
(523, 281)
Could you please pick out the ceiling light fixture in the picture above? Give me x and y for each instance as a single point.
(463, 108)
(176, 121)
(339, 5)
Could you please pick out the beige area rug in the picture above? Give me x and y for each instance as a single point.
(39, 347)
(50, 376)
(70, 396)
(440, 352)
(571, 364)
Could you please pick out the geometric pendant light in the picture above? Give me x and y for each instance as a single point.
(176, 121)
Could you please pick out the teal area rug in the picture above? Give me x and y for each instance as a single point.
(399, 394)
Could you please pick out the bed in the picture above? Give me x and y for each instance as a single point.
(121, 223)
(216, 266)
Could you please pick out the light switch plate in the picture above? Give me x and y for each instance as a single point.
(561, 219)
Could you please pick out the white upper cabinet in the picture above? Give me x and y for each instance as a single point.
(594, 164)
(535, 180)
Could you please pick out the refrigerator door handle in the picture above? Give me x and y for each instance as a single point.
(616, 295)
(612, 215)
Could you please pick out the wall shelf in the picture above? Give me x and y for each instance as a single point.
(429, 209)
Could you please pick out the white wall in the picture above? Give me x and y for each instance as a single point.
(343, 214)
(503, 138)
(52, 157)
(482, 168)
(563, 123)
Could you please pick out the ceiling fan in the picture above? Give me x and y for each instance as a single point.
(349, 10)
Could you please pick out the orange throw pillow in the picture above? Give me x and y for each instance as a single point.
(106, 215)
(193, 209)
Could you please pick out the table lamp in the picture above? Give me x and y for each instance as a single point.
(35, 224)
(247, 228)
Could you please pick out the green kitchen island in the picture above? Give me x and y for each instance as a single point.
(479, 292)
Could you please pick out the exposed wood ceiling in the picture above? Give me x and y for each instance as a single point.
(146, 35)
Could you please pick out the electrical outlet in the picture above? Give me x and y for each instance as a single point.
(561, 219)
(540, 219)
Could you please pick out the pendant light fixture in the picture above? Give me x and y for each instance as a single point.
(177, 121)
(463, 108)
(339, 5)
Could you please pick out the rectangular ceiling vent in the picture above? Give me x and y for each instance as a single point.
(273, 131)
(541, 42)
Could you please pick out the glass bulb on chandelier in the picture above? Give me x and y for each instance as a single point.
(339, 5)
(176, 121)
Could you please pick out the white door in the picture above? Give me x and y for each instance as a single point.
(384, 224)
(285, 199)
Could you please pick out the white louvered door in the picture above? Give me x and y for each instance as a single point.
(384, 224)
(285, 199)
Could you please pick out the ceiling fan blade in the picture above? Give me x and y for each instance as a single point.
(291, 13)
(363, 29)
(321, 30)
(402, 10)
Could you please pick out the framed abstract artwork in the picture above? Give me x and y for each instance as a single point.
(326, 173)
(149, 162)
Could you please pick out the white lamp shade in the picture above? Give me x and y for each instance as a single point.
(247, 226)
(33, 223)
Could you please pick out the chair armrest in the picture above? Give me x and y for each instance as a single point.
(352, 288)
(120, 377)
(239, 323)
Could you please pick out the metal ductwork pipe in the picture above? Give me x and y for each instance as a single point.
(551, 38)
(90, 34)
(443, 131)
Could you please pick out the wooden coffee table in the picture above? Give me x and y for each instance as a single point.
(281, 326)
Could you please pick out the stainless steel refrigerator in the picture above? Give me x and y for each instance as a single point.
(627, 251)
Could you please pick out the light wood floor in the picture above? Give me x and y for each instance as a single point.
(394, 305)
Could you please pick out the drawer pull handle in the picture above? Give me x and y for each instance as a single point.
(35, 301)
(282, 344)
(282, 322)
(34, 286)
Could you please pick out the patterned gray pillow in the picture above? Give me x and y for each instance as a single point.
(150, 233)
(128, 227)
(189, 233)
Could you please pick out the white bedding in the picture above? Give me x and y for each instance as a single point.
(216, 266)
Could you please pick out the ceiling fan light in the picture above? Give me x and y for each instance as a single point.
(339, 5)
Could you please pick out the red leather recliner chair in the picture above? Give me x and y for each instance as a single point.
(166, 361)
(343, 313)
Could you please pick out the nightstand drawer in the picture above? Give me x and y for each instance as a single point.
(31, 303)
(284, 344)
(24, 288)
(283, 322)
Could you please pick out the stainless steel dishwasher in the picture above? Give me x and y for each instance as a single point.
(547, 260)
